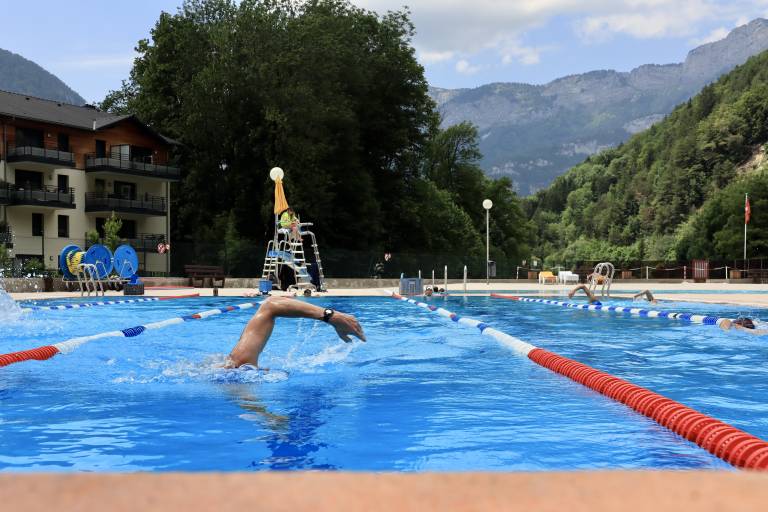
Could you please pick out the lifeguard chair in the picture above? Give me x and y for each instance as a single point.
(284, 250)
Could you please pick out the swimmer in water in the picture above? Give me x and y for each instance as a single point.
(586, 290)
(259, 328)
(648, 296)
(743, 324)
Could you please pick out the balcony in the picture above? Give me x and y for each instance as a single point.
(121, 164)
(41, 196)
(145, 205)
(142, 242)
(41, 155)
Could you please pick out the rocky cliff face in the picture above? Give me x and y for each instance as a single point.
(534, 133)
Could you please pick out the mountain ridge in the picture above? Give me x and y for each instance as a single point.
(23, 76)
(535, 132)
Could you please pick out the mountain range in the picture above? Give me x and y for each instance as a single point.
(23, 76)
(534, 133)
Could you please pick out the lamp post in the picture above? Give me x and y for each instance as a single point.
(487, 204)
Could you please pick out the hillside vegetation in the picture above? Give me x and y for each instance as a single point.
(23, 76)
(675, 191)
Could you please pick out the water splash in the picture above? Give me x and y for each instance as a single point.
(9, 309)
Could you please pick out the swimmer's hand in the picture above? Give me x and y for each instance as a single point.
(346, 325)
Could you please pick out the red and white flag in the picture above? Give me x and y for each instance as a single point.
(747, 210)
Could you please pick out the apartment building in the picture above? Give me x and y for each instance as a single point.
(64, 169)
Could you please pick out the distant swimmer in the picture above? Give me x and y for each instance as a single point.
(745, 324)
(259, 328)
(587, 292)
(648, 296)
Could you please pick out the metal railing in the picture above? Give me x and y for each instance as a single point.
(146, 242)
(39, 195)
(40, 155)
(121, 163)
(99, 201)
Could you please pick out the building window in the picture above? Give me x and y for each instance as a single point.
(63, 142)
(29, 137)
(101, 148)
(63, 183)
(63, 226)
(29, 180)
(37, 224)
(128, 229)
(125, 190)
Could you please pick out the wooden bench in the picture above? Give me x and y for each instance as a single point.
(203, 272)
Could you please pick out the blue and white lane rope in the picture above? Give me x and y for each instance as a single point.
(68, 346)
(88, 304)
(505, 339)
(640, 312)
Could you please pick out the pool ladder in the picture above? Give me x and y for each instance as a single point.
(602, 275)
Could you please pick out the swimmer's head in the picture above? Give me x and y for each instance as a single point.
(744, 322)
(428, 292)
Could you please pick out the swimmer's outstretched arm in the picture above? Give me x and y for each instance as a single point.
(259, 328)
(586, 291)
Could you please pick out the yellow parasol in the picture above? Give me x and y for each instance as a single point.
(281, 204)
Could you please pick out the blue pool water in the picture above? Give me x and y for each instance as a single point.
(422, 394)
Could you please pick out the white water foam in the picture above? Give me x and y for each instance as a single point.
(9, 309)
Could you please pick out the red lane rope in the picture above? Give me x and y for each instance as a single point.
(39, 354)
(720, 439)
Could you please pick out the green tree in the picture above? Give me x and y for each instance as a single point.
(112, 227)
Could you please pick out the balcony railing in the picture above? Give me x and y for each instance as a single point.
(42, 155)
(120, 163)
(146, 204)
(145, 242)
(43, 195)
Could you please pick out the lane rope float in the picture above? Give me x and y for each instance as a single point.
(722, 440)
(68, 346)
(105, 303)
(639, 312)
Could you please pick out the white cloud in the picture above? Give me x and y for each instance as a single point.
(465, 68)
(716, 35)
(459, 29)
(434, 57)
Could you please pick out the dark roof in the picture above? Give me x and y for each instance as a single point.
(65, 114)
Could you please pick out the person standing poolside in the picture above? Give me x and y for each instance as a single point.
(587, 292)
(648, 296)
(744, 324)
(259, 328)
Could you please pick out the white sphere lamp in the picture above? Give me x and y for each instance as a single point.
(276, 174)
(487, 204)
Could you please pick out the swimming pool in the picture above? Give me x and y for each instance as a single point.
(422, 394)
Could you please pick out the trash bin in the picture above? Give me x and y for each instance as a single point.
(491, 268)
(265, 286)
(411, 286)
(533, 275)
(735, 274)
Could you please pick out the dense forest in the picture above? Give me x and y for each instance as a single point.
(334, 95)
(675, 191)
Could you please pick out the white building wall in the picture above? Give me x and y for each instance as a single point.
(19, 217)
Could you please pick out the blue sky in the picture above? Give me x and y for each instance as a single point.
(89, 44)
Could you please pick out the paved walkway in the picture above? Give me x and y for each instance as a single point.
(738, 294)
(333, 492)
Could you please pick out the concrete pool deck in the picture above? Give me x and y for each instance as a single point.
(698, 292)
(594, 491)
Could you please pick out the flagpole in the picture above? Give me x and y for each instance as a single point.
(746, 202)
